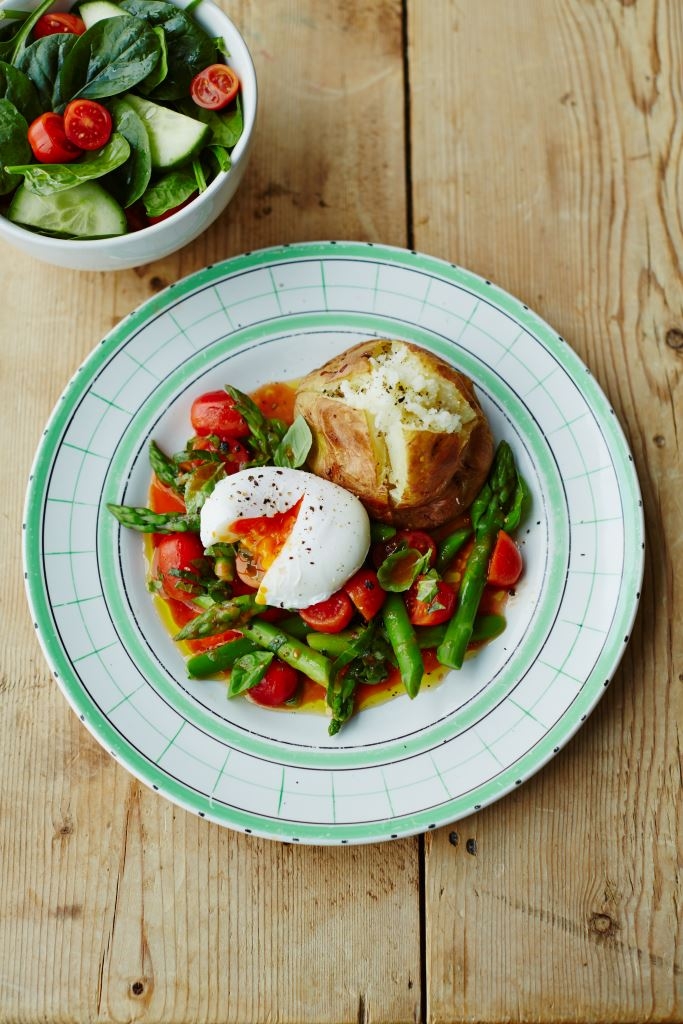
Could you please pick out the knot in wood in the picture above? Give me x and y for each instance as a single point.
(674, 339)
(603, 924)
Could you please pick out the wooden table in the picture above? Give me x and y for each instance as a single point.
(540, 145)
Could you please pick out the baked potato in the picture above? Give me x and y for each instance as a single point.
(400, 428)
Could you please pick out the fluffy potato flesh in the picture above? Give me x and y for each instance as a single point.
(400, 428)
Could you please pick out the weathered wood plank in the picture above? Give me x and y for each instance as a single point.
(552, 170)
(114, 905)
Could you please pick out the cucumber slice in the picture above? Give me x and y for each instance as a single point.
(174, 138)
(84, 211)
(97, 10)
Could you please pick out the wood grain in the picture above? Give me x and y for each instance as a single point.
(554, 172)
(115, 905)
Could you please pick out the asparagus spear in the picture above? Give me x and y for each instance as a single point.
(498, 506)
(290, 650)
(401, 636)
(207, 663)
(146, 521)
(449, 547)
(218, 617)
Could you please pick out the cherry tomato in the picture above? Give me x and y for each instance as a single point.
(278, 684)
(48, 141)
(364, 590)
(330, 616)
(87, 124)
(418, 540)
(57, 23)
(175, 565)
(214, 87)
(506, 563)
(174, 209)
(214, 413)
(438, 608)
(233, 454)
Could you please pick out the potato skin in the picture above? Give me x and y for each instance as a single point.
(444, 471)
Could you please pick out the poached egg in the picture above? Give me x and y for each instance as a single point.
(324, 531)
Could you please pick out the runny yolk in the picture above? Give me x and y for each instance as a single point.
(265, 536)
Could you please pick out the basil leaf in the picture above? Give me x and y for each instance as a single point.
(13, 145)
(46, 179)
(428, 590)
(41, 62)
(294, 447)
(400, 569)
(169, 191)
(248, 671)
(110, 58)
(189, 48)
(201, 483)
(18, 88)
(129, 181)
(226, 125)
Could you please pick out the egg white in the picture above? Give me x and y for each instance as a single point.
(328, 542)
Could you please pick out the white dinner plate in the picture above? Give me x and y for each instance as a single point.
(404, 766)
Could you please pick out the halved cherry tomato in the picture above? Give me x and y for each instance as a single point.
(174, 209)
(87, 124)
(175, 565)
(278, 685)
(439, 607)
(214, 413)
(506, 564)
(364, 590)
(57, 23)
(418, 540)
(330, 616)
(163, 498)
(214, 87)
(48, 140)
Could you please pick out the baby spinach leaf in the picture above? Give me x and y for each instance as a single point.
(169, 191)
(129, 181)
(110, 58)
(10, 23)
(190, 49)
(221, 156)
(46, 179)
(13, 145)
(226, 125)
(41, 62)
(11, 47)
(156, 77)
(18, 88)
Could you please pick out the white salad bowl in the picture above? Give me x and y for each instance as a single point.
(159, 240)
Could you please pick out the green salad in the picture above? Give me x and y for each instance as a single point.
(112, 116)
